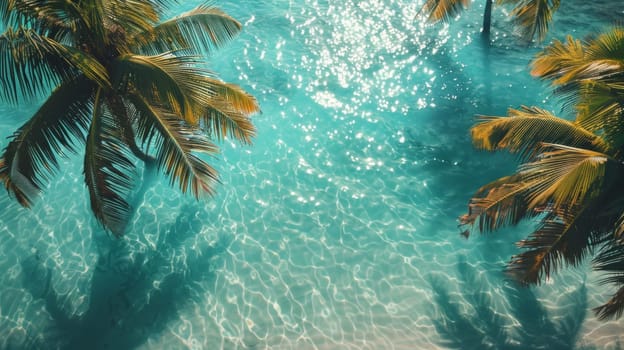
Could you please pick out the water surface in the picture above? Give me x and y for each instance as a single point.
(337, 229)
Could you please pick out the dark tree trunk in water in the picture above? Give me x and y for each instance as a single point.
(487, 20)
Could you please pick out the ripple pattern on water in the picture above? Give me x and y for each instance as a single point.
(337, 229)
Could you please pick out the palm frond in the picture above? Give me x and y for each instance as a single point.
(524, 130)
(166, 79)
(589, 77)
(6, 8)
(443, 10)
(203, 28)
(619, 227)
(121, 111)
(30, 64)
(608, 46)
(564, 235)
(600, 109)
(610, 259)
(228, 111)
(175, 141)
(564, 175)
(533, 17)
(30, 158)
(108, 169)
(498, 204)
(134, 16)
(44, 16)
(558, 61)
(574, 61)
(614, 308)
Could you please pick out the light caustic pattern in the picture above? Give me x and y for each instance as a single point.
(335, 230)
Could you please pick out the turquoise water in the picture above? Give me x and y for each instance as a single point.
(337, 229)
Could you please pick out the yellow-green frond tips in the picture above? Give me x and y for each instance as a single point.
(31, 64)
(524, 130)
(228, 112)
(136, 84)
(533, 17)
(176, 143)
(575, 60)
(573, 171)
(564, 176)
(202, 29)
(443, 10)
(498, 204)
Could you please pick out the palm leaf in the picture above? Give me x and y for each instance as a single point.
(559, 61)
(533, 17)
(498, 204)
(564, 175)
(7, 7)
(175, 142)
(589, 76)
(443, 10)
(611, 260)
(619, 227)
(525, 130)
(166, 79)
(134, 16)
(608, 46)
(574, 62)
(600, 107)
(108, 169)
(564, 235)
(203, 28)
(227, 112)
(30, 158)
(41, 15)
(30, 64)
(121, 112)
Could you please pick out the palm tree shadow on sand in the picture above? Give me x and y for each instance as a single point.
(133, 295)
(477, 324)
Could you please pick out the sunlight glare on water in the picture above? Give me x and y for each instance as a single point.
(335, 230)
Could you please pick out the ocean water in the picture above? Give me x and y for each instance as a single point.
(337, 229)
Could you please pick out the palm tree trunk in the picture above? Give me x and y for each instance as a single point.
(487, 20)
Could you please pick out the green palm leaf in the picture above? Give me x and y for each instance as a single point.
(30, 64)
(498, 204)
(175, 141)
(444, 10)
(607, 46)
(133, 16)
(564, 175)
(524, 131)
(588, 74)
(569, 66)
(40, 15)
(165, 99)
(559, 61)
(108, 169)
(600, 107)
(203, 28)
(610, 259)
(533, 16)
(227, 112)
(619, 227)
(30, 158)
(166, 78)
(563, 236)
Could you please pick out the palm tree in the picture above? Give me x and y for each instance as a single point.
(573, 171)
(125, 84)
(532, 17)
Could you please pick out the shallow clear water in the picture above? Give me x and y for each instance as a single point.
(337, 229)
